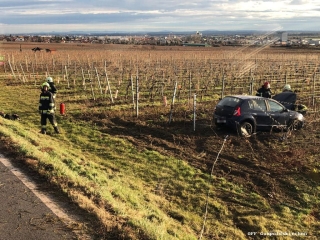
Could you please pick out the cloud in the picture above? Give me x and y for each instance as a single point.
(135, 15)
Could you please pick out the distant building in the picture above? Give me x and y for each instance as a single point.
(283, 37)
(314, 42)
(19, 39)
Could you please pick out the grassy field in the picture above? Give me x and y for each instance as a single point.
(143, 178)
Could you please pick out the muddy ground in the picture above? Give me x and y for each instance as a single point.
(269, 163)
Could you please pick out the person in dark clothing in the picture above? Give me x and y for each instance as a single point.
(46, 109)
(264, 91)
(288, 98)
(287, 88)
(52, 87)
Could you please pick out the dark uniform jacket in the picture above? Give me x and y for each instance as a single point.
(46, 103)
(264, 92)
(52, 88)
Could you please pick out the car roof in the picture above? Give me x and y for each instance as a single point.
(244, 96)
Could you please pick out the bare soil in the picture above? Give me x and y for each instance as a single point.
(270, 164)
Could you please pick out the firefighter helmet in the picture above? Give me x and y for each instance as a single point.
(266, 85)
(287, 87)
(45, 84)
(49, 79)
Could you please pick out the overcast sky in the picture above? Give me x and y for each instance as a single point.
(22, 16)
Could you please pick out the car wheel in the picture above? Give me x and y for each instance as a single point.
(295, 125)
(246, 129)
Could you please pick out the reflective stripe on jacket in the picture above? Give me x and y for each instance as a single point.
(46, 101)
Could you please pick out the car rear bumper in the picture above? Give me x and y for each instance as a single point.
(223, 121)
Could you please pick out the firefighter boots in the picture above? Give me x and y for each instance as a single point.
(56, 130)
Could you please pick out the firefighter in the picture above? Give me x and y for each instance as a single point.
(52, 87)
(287, 88)
(46, 109)
(264, 91)
(301, 108)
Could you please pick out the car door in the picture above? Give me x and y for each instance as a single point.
(278, 113)
(259, 112)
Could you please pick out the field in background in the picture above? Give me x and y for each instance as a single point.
(153, 162)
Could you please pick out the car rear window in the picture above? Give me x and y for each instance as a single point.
(229, 102)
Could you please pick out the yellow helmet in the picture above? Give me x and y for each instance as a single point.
(45, 84)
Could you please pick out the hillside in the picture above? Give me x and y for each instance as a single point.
(149, 178)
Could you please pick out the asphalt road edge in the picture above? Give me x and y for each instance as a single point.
(53, 204)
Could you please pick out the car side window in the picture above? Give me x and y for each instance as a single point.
(258, 105)
(275, 107)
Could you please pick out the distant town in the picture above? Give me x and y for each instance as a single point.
(169, 39)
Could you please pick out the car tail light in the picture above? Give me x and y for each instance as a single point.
(237, 112)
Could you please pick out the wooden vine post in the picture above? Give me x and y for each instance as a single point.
(194, 111)
(132, 90)
(223, 85)
(173, 99)
(83, 79)
(137, 95)
(65, 67)
(98, 78)
(12, 69)
(108, 84)
(94, 98)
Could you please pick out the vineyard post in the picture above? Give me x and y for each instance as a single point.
(132, 89)
(12, 69)
(194, 111)
(62, 70)
(75, 74)
(12, 59)
(23, 74)
(190, 77)
(163, 83)
(97, 74)
(137, 94)
(314, 89)
(251, 88)
(35, 79)
(223, 86)
(94, 98)
(83, 79)
(18, 73)
(173, 98)
(65, 67)
(108, 84)
(251, 83)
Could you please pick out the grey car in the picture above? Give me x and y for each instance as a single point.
(248, 114)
